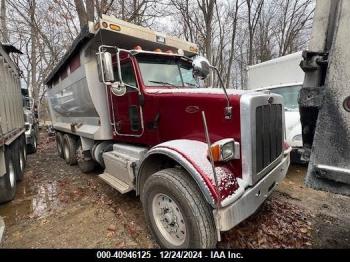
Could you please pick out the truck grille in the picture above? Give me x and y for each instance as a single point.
(268, 135)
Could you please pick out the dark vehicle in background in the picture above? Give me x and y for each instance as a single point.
(31, 122)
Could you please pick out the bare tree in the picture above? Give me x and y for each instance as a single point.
(295, 17)
(81, 11)
(254, 8)
(234, 14)
(4, 32)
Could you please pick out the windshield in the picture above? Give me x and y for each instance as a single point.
(290, 96)
(166, 71)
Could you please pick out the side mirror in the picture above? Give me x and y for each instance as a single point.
(107, 67)
(201, 67)
(118, 89)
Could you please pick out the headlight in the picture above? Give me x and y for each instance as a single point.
(297, 138)
(225, 150)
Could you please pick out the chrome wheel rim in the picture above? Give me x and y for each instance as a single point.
(169, 219)
(12, 174)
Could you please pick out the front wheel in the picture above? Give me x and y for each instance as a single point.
(176, 212)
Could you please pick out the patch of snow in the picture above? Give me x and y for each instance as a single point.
(189, 166)
(216, 91)
(230, 186)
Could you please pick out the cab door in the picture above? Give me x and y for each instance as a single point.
(126, 110)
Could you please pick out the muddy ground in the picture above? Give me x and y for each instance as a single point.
(57, 206)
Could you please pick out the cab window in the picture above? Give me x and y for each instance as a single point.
(127, 72)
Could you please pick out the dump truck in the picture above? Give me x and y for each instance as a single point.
(12, 129)
(324, 99)
(283, 76)
(135, 102)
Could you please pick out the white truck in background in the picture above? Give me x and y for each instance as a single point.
(12, 129)
(282, 76)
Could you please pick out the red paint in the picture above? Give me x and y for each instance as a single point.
(210, 184)
(170, 116)
(74, 63)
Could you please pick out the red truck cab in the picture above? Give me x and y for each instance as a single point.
(161, 107)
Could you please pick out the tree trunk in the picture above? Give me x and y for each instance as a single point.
(232, 51)
(82, 15)
(33, 82)
(90, 10)
(4, 33)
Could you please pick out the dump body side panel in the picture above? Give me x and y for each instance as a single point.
(78, 102)
(11, 109)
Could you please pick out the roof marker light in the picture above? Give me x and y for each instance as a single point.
(114, 27)
(104, 24)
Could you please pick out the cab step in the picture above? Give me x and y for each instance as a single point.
(116, 183)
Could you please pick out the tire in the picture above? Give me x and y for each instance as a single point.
(85, 163)
(33, 146)
(8, 181)
(59, 144)
(18, 159)
(175, 195)
(69, 149)
(24, 148)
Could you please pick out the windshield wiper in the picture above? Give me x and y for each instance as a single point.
(189, 84)
(290, 109)
(163, 83)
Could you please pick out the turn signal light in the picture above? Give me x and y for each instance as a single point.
(158, 50)
(225, 150)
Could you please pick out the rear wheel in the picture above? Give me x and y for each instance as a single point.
(59, 144)
(33, 146)
(18, 159)
(8, 181)
(69, 149)
(24, 148)
(176, 212)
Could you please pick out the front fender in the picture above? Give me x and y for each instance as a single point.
(192, 156)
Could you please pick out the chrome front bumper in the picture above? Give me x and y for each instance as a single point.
(249, 202)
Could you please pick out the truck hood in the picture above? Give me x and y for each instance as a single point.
(216, 91)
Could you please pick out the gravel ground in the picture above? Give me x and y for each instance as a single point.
(57, 206)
